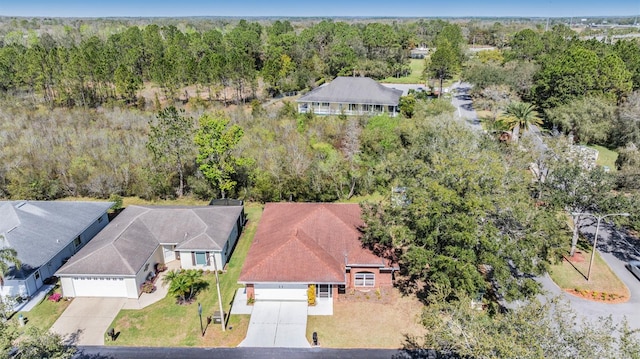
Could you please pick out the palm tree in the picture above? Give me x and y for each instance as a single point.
(8, 256)
(520, 115)
(180, 287)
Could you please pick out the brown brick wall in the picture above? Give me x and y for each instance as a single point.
(383, 278)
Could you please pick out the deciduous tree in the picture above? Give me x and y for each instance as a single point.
(216, 140)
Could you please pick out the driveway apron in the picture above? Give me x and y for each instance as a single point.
(277, 324)
(86, 320)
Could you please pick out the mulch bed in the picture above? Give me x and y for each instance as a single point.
(598, 296)
(382, 295)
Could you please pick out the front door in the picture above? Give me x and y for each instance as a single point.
(169, 253)
(324, 290)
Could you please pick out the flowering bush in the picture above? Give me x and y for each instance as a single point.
(55, 297)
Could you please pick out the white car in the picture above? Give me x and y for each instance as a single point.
(634, 267)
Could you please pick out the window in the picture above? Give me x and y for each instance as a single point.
(353, 107)
(146, 266)
(100, 220)
(37, 275)
(201, 258)
(325, 104)
(365, 279)
(77, 242)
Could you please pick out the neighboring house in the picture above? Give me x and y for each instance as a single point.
(45, 234)
(125, 254)
(299, 244)
(351, 96)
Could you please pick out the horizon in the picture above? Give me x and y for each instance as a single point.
(326, 9)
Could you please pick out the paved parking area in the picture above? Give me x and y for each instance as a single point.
(277, 324)
(86, 320)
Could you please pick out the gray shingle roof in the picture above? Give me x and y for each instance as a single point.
(38, 230)
(356, 90)
(124, 246)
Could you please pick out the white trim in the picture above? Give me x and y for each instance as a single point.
(367, 279)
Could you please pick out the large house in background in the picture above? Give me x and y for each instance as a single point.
(351, 96)
(300, 244)
(45, 234)
(125, 254)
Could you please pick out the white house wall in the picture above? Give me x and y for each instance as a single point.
(141, 276)
(186, 261)
(133, 289)
(67, 287)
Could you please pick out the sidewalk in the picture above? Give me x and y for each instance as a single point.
(146, 299)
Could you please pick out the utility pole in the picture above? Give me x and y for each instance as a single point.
(215, 267)
(595, 237)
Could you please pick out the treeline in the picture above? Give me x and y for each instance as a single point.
(93, 70)
(86, 66)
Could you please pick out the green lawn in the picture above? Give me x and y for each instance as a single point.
(169, 324)
(606, 157)
(571, 276)
(415, 77)
(44, 314)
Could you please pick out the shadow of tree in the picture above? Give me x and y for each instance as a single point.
(72, 339)
(80, 354)
(611, 239)
(413, 349)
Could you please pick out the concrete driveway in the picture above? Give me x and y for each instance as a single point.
(277, 324)
(86, 320)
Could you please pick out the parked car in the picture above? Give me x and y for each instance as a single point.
(634, 267)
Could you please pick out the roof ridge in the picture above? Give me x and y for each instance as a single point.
(309, 242)
(134, 220)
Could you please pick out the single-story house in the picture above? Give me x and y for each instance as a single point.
(124, 255)
(45, 234)
(351, 96)
(300, 244)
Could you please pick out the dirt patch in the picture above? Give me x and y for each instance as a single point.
(578, 257)
(381, 295)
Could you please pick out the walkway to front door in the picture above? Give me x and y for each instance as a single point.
(277, 324)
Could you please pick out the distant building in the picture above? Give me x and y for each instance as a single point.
(419, 53)
(351, 96)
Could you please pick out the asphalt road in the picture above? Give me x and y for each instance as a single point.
(464, 106)
(102, 352)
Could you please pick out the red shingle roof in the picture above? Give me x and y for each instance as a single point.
(306, 242)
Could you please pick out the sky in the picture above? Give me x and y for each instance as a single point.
(319, 8)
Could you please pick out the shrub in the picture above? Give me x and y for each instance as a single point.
(161, 267)
(148, 287)
(250, 300)
(55, 297)
(311, 295)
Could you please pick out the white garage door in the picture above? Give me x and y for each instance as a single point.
(100, 287)
(279, 291)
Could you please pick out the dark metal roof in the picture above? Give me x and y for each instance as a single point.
(356, 90)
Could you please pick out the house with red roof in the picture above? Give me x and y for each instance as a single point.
(300, 244)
